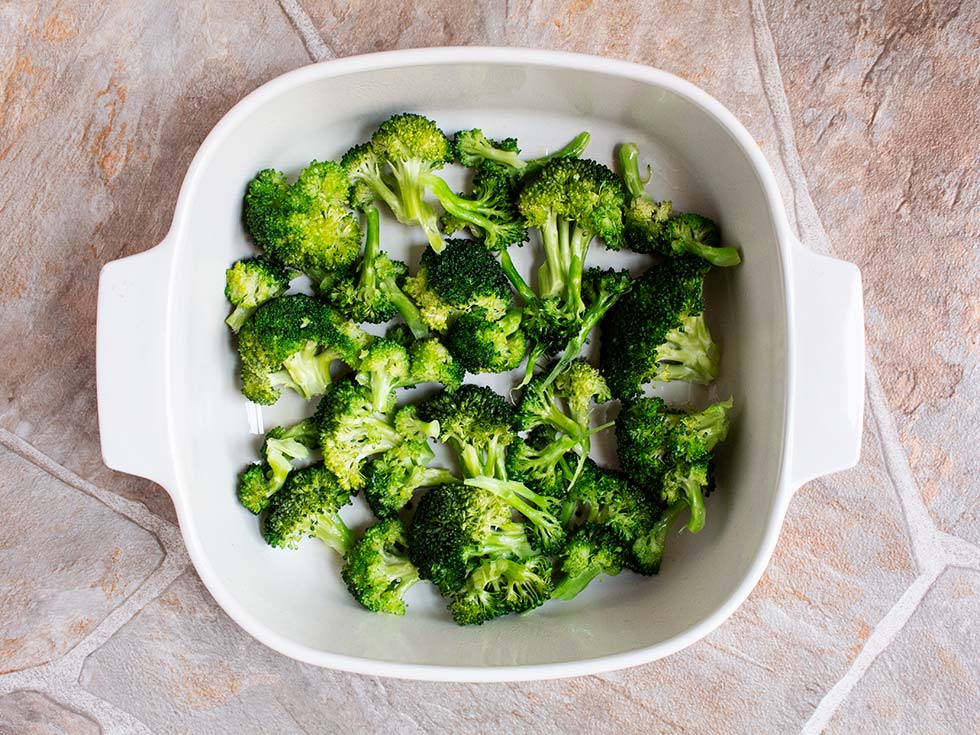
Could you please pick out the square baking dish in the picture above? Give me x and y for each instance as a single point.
(789, 322)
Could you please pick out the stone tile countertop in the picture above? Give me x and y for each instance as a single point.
(867, 617)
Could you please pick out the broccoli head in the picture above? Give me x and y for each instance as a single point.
(307, 506)
(249, 283)
(590, 551)
(464, 276)
(657, 331)
(501, 586)
(482, 345)
(475, 150)
(430, 361)
(259, 482)
(378, 572)
(393, 477)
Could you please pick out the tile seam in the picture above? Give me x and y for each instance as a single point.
(306, 29)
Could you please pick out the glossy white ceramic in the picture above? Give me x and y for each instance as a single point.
(789, 322)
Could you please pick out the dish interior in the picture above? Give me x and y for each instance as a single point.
(299, 596)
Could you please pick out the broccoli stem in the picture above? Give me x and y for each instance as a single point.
(550, 281)
(411, 190)
(579, 246)
(572, 149)
(238, 317)
(310, 371)
(332, 531)
(723, 257)
(629, 155)
(569, 587)
(516, 279)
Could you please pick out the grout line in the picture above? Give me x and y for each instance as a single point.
(304, 26)
(884, 633)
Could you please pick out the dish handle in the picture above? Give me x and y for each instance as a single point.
(130, 360)
(828, 322)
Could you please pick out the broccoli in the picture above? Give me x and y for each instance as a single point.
(249, 283)
(306, 226)
(392, 477)
(260, 481)
(657, 331)
(308, 505)
(475, 150)
(647, 550)
(483, 345)
(374, 295)
(477, 424)
(563, 405)
(590, 551)
(570, 202)
(545, 461)
(540, 510)
(649, 227)
(378, 572)
(464, 276)
(430, 361)
(669, 449)
(501, 586)
(291, 342)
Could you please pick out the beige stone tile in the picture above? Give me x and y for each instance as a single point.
(103, 106)
(928, 679)
(842, 561)
(884, 101)
(34, 713)
(66, 561)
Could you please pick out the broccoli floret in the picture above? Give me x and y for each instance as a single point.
(260, 481)
(657, 331)
(488, 211)
(378, 572)
(464, 276)
(308, 505)
(649, 227)
(501, 586)
(431, 362)
(647, 549)
(374, 295)
(477, 423)
(540, 510)
(545, 461)
(570, 202)
(249, 283)
(590, 551)
(455, 527)
(671, 450)
(392, 477)
(306, 226)
(475, 150)
(290, 342)
(482, 345)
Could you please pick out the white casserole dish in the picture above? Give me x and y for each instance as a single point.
(790, 324)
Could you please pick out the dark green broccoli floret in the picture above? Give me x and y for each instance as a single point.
(477, 423)
(455, 527)
(483, 345)
(488, 211)
(501, 586)
(462, 277)
(392, 477)
(378, 572)
(306, 226)
(373, 295)
(307, 506)
(251, 282)
(260, 481)
(291, 342)
(649, 228)
(590, 551)
(571, 202)
(657, 331)
(671, 450)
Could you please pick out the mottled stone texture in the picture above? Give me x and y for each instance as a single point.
(102, 108)
(66, 561)
(33, 713)
(928, 681)
(885, 107)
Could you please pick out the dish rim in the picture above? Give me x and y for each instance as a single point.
(492, 56)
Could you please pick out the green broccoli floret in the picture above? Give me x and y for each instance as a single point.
(307, 506)
(477, 424)
(657, 331)
(671, 450)
(545, 461)
(539, 510)
(501, 586)
(482, 345)
(249, 283)
(373, 295)
(431, 362)
(290, 342)
(463, 277)
(571, 202)
(474, 149)
(378, 572)
(393, 477)
(647, 550)
(590, 551)
(306, 226)
(649, 228)
(488, 211)
(260, 481)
